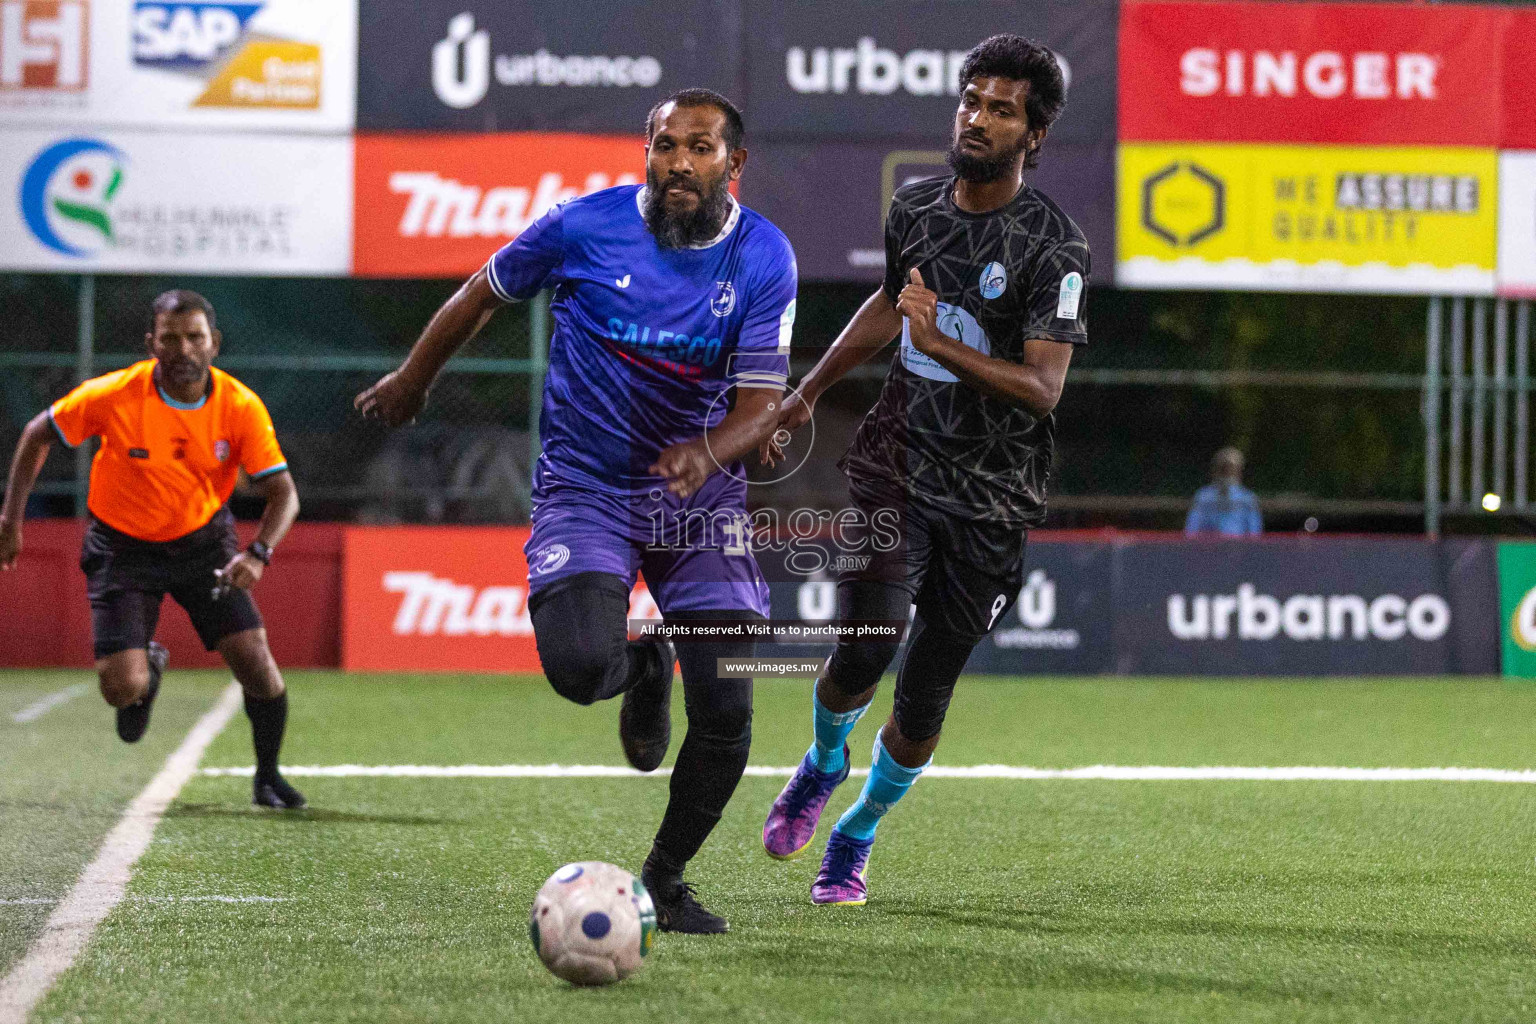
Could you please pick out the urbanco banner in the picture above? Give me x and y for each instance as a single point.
(272, 65)
(1062, 619)
(540, 65)
(887, 72)
(153, 202)
(1305, 607)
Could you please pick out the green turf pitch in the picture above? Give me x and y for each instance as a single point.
(405, 899)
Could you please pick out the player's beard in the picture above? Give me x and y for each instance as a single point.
(680, 230)
(982, 169)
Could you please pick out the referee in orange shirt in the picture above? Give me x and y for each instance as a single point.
(175, 433)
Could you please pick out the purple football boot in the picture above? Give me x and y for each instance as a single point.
(841, 882)
(791, 823)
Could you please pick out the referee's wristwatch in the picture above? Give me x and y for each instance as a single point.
(261, 552)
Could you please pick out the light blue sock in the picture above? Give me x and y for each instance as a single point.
(888, 782)
(832, 729)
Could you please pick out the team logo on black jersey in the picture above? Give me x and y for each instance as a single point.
(725, 299)
(993, 280)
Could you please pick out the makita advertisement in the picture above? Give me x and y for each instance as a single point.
(441, 599)
(541, 65)
(871, 71)
(440, 205)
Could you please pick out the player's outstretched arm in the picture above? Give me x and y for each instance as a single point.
(873, 327)
(1034, 384)
(748, 425)
(31, 452)
(401, 395)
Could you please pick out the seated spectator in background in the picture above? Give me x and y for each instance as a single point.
(1224, 505)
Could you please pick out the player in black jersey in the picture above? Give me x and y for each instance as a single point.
(986, 282)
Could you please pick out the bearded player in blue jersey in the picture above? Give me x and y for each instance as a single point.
(673, 307)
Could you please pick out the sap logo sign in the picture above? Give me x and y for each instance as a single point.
(187, 35)
(1259, 616)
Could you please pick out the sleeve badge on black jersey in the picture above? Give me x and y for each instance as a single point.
(1070, 295)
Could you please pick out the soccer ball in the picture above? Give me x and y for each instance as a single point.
(592, 923)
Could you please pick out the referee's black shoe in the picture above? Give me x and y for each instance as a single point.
(678, 911)
(645, 717)
(134, 719)
(274, 791)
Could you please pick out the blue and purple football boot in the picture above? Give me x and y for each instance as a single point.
(792, 820)
(841, 881)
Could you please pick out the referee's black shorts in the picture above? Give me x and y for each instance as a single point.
(127, 578)
(963, 574)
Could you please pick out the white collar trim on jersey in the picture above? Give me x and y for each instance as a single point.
(725, 230)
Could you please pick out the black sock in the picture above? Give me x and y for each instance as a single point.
(712, 757)
(268, 720)
(659, 872)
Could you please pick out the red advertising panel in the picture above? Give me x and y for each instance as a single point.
(439, 205)
(1519, 129)
(1361, 73)
(45, 619)
(441, 599)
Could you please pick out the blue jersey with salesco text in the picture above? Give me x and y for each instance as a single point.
(647, 341)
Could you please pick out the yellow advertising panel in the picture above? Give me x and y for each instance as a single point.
(1309, 218)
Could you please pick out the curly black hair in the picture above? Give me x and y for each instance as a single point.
(1023, 60)
(735, 130)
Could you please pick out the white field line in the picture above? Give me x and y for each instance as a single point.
(47, 901)
(101, 885)
(1116, 773)
(209, 899)
(32, 712)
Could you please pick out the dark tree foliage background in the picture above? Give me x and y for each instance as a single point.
(1127, 440)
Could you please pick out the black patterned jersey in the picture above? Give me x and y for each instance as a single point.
(1002, 278)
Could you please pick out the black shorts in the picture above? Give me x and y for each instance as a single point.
(963, 574)
(127, 578)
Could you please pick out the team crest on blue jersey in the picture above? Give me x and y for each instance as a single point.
(221, 450)
(993, 280)
(725, 298)
(548, 559)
